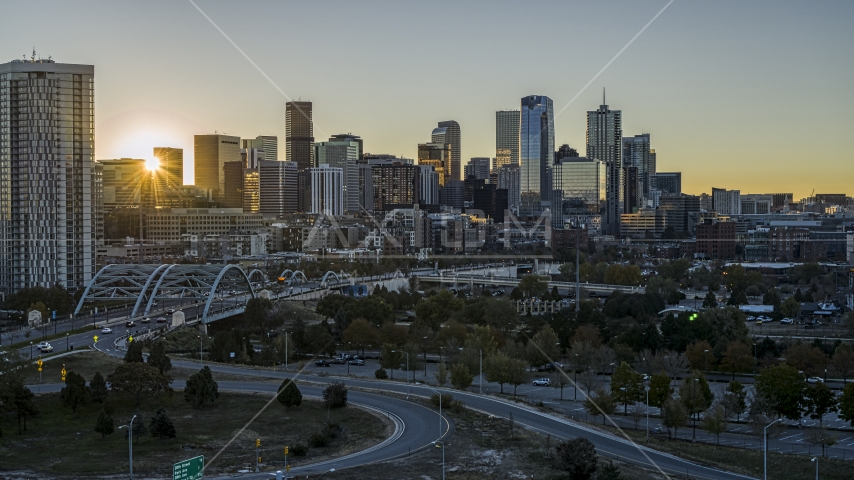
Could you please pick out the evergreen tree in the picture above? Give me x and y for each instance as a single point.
(98, 388)
(711, 301)
(75, 393)
(157, 357)
(289, 394)
(201, 390)
(134, 353)
(104, 424)
(161, 425)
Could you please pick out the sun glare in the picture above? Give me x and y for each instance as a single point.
(152, 163)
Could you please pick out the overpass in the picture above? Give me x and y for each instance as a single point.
(500, 281)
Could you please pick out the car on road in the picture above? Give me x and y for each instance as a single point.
(145, 320)
(170, 310)
(161, 320)
(542, 382)
(815, 380)
(130, 323)
(45, 347)
(357, 362)
(106, 330)
(322, 363)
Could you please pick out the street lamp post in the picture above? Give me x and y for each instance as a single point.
(130, 444)
(765, 448)
(706, 358)
(646, 389)
(407, 372)
(31, 350)
(815, 459)
(575, 383)
(200, 349)
(439, 394)
(442, 446)
(66, 341)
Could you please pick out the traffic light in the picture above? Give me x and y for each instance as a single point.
(286, 451)
(259, 460)
(257, 443)
(287, 468)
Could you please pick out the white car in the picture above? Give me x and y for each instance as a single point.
(787, 321)
(45, 347)
(815, 380)
(542, 382)
(106, 330)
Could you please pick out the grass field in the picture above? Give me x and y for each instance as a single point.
(58, 443)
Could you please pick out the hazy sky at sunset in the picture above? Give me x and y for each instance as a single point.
(750, 95)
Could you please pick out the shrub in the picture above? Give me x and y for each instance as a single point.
(335, 395)
(457, 406)
(380, 374)
(299, 450)
(447, 398)
(289, 394)
(201, 390)
(578, 457)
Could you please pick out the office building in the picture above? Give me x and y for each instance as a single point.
(478, 167)
(299, 134)
(448, 132)
(536, 152)
(268, 145)
(452, 195)
(123, 182)
(681, 211)
(666, 182)
(716, 240)
(278, 188)
(646, 223)
(637, 154)
(344, 153)
(232, 192)
(428, 185)
(303, 190)
(395, 185)
(726, 202)
(632, 199)
(437, 155)
(754, 204)
(509, 179)
(48, 214)
(781, 201)
(490, 200)
(327, 187)
(578, 187)
(352, 138)
(211, 153)
(168, 225)
(604, 142)
(251, 189)
(507, 124)
(565, 151)
(169, 175)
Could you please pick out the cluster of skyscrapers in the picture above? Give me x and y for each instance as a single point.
(58, 204)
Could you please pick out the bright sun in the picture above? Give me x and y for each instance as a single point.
(152, 163)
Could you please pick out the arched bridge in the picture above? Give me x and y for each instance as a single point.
(207, 289)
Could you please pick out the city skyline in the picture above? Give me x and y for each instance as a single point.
(751, 112)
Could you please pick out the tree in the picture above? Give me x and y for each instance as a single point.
(392, 357)
(737, 358)
(290, 395)
(134, 353)
(600, 403)
(436, 310)
(335, 395)
(673, 416)
(161, 425)
(783, 390)
(578, 457)
(560, 381)
(627, 386)
(700, 355)
(842, 362)
(790, 307)
(75, 393)
(696, 395)
(846, 404)
(543, 347)
(138, 380)
(318, 341)
(496, 369)
(711, 301)
(516, 374)
(588, 381)
(104, 425)
(734, 399)
(360, 334)
(820, 400)
(609, 471)
(659, 389)
(157, 357)
(256, 312)
(807, 358)
(533, 286)
(821, 437)
(461, 377)
(442, 374)
(201, 390)
(772, 297)
(16, 397)
(98, 388)
(715, 421)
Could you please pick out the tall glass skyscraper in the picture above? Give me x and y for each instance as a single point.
(604, 142)
(448, 132)
(578, 187)
(506, 138)
(48, 207)
(536, 151)
(299, 134)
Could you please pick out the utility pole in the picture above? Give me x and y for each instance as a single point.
(257, 455)
(577, 275)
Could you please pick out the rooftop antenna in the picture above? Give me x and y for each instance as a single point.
(34, 55)
(603, 96)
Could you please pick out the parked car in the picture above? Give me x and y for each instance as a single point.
(542, 382)
(45, 347)
(357, 362)
(322, 363)
(130, 323)
(787, 321)
(338, 361)
(815, 380)
(106, 330)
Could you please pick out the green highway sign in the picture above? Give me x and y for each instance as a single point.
(190, 469)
